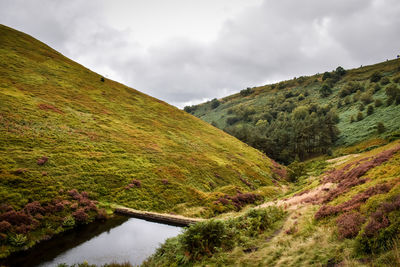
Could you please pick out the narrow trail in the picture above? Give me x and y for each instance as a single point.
(294, 202)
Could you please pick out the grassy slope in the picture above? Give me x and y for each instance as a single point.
(99, 136)
(351, 133)
(306, 241)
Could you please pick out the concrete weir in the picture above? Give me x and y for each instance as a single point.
(158, 217)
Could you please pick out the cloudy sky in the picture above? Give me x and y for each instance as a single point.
(188, 51)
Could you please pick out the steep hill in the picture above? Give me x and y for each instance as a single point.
(65, 129)
(309, 115)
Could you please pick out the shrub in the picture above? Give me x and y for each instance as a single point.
(360, 116)
(204, 238)
(232, 120)
(385, 80)
(352, 119)
(4, 226)
(80, 215)
(380, 127)
(137, 183)
(326, 75)
(366, 98)
(214, 103)
(16, 218)
(69, 221)
(246, 92)
(340, 71)
(101, 215)
(370, 110)
(377, 88)
(18, 240)
(375, 77)
(378, 103)
(33, 208)
(349, 224)
(361, 107)
(42, 160)
(325, 90)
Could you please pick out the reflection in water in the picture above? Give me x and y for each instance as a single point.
(117, 240)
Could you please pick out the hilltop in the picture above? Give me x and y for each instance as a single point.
(72, 142)
(312, 115)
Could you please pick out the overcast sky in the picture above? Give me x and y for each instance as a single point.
(188, 51)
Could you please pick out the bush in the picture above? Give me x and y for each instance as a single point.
(18, 240)
(246, 92)
(366, 98)
(378, 103)
(42, 160)
(232, 120)
(69, 221)
(370, 110)
(361, 107)
(214, 103)
(80, 216)
(385, 80)
(340, 71)
(349, 224)
(360, 116)
(4, 226)
(375, 77)
(211, 236)
(326, 75)
(325, 90)
(380, 127)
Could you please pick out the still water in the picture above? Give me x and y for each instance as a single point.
(119, 239)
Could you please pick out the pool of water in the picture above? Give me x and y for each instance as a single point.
(119, 239)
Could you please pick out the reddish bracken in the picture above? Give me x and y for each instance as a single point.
(74, 194)
(165, 181)
(42, 160)
(136, 183)
(50, 107)
(353, 203)
(16, 218)
(279, 170)
(80, 215)
(33, 208)
(101, 214)
(239, 200)
(4, 226)
(349, 224)
(363, 165)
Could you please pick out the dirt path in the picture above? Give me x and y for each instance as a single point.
(298, 200)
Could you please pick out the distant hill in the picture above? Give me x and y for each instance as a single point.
(69, 136)
(310, 115)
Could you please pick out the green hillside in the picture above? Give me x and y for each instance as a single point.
(311, 115)
(69, 137)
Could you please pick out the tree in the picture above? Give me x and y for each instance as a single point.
(246, 92)
(340, 71)
(326, 75)
(214, 103)
(380, 127)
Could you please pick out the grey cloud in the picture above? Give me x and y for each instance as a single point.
(277, 40)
